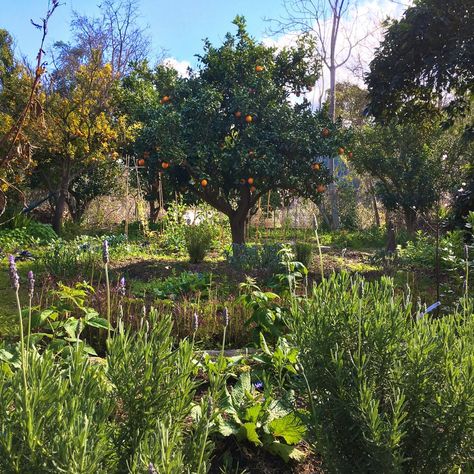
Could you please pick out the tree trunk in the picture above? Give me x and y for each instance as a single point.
(410, 220)
(374, 204)
(237, 227)
(154, 211)
(335, 220)
(62, 198)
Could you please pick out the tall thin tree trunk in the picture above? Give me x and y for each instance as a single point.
(62, 197)
(374, 204)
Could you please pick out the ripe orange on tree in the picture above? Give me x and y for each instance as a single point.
(203, 183)
(165, 165)
(325, 132)
(321, 188)
(141, 162)
(350, 155)
(250, 180)
(248, 118)
(165, 99)
(340, 151)
(259, 68)
(316, 166)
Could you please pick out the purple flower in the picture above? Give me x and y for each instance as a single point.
(225, 317)
(258, 386)
(151, 469)
(31, 283)
(195, 322)
(105, 251)
(121, 287)
(14, 278)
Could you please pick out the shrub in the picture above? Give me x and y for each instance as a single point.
(198, 241)
(33, 234)
(135, 412)
(389, 392)
(304, 253)
(254, 257)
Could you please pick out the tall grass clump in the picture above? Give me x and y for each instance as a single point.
(390, 391)
(198, 241)
(303, 253)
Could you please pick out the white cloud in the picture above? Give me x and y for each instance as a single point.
(181, 66)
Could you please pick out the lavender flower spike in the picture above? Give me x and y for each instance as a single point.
(225, 317)
(151, 469)
(195, 322)
(31, 284)
(14, 278)
(122, 287)
(105, 251)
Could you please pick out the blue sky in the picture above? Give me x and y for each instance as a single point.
(177, 26)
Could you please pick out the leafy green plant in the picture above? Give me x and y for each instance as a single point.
(267, 317)
(254, 257)
(389, 392)
(175, 286)
(255, 416)
(154, 382)
(63, 323)
(198, 241)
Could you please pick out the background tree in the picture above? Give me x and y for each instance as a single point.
(79, 128)
(140, 97)
(231, 134)
(426, 58)
(323, 20)
(408, 163)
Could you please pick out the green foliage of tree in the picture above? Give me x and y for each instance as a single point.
(426, 56)
(231, 134)
(412, 165)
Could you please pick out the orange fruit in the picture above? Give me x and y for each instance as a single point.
(165, 165)
(248, 118)
(316, 166)
(325, 132)
(321, 188)
(340, 151)
(141, 162)
(250, 180)
(204, 183)
(259, 68)
(165, 99)
(238, 114)
(350, 154)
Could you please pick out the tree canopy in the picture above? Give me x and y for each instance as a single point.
(230, 133)
(425, 57)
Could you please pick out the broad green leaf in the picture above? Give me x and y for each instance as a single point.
(227, 428)
(97, 322)
(251, 414)
(286, 452)
(70, 326)
(248, 431)
(264, 345)
(290, 428)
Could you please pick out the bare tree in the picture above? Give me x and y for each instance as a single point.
(116, 33)
(324, 20)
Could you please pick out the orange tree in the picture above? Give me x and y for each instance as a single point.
(231, 133)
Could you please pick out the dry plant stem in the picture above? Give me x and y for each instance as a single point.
(318, 243)
(107, 282)
(29, 424)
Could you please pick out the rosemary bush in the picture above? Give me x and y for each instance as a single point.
(390, 391)
(132, 412)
